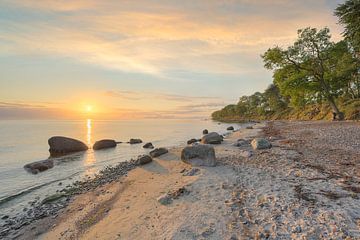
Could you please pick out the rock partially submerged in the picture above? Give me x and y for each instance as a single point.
(205, 131)
(260, 143)
(39, 166)
(105, 143)
(199, 155)
(148, 145)
(158, 152)
(63, 145)
(135, 141)
(230, 128)
(212, 138)
(143, 159)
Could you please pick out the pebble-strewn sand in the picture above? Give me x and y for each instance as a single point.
(307, 186)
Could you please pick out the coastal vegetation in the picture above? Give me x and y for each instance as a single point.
(314, 78)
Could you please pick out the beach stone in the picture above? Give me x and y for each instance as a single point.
(212, 138)
(241, 143)
(63, 145)
(205, 131)
(230, 128)
(104, 143)
(165, 199)
(158, 152)
(199, 155)
(148, 145)
(135, 141)
(39, 166)
(260, 143)
(191, 172)
(245, 153)
(249, 127)
(191, 141)
(143, 159)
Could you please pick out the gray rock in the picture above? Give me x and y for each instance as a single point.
(199, 155)
(104, 143)
(230, 128)
(212, 138)
(191, 141)
(39, 166)
(165, 199)
(241, 143)
(158, 152)
(205, 131)
(148, 145)
(249, 127)
(63, 145)
(143, 159)
(260, 143)
(135, 141)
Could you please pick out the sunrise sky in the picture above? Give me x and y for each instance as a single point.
(142, 59)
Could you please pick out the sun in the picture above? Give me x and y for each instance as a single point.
(88, 108)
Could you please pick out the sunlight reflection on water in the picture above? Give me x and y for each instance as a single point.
(88, 133)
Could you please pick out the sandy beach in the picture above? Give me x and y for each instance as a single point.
(307, 186)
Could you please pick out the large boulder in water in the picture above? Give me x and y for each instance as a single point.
(212, 138)
(39, 166)
(148, 145)
(199, 155)
(260, 143)
(135, 141)
(158, 152)
(64, 145)
(104, 143)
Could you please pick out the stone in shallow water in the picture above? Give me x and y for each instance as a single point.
(39, 166)
(104, 143)
(148, 145)
(135, 141)
(144, 159)
(63, 145)
(158, 152)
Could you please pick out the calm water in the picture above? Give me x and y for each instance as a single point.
(23, 142)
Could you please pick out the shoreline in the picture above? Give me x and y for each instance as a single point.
(239, 198)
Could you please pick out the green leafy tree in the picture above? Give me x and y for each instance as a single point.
(308, 68)
(349, 15)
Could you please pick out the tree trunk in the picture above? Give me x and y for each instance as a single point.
(340, 115)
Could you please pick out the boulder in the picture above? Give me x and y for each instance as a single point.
(39, 166)
(64, 145)
(230, 128)
(105, 143)
(191, 141)
(199, 155)
(158, 152)
(135, 141)
(260, 143)
(205, 131)
(148, 145)
(143, 159)
(212, 138)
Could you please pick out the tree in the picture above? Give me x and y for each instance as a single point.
(308, 67)
(349, 15)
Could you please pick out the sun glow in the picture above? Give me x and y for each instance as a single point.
(89, 108)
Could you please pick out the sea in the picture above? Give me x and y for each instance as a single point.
(25, 141)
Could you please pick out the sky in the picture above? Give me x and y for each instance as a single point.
(126, 59)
